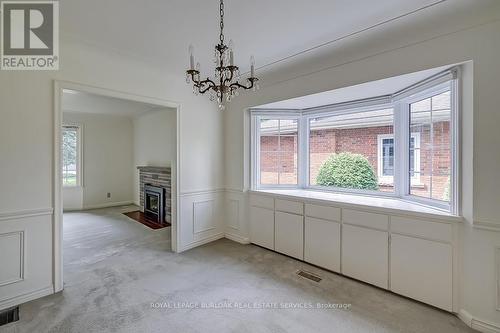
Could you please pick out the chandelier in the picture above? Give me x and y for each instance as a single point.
(225, 86)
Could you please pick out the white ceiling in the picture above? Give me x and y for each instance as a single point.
(353, 93)
(81, 102)
(160, 31)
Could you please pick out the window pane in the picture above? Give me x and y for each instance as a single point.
(388, 157)
(430, 177)
(353, 151)
(278, 151)
(70, 156)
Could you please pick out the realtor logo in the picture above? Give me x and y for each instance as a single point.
(29, 35)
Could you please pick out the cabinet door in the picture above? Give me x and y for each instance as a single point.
(262, 227)
(289, 234)
(365, 254)
(322, 243)
(422, 270)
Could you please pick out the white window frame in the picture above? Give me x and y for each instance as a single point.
(79, 155)
(256, 175)
(390, 179)
(400, 102)
(436, 89)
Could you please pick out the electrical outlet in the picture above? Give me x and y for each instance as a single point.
(109, 195)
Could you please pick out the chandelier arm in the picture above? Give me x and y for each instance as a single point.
(239, 85)
(209, 85)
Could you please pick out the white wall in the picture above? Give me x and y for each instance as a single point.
(397, 51)
(107, 160)
(26, 161)
(155, 140)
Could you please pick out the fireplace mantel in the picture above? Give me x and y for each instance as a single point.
(154, 169)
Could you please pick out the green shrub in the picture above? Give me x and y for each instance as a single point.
(347, 170)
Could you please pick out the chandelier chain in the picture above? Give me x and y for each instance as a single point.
(221, 21)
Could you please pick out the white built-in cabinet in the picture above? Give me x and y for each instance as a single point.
(262, 221)
(322, 236)
(421, 268)
(365, 247)
(407, 255)
(289, 234)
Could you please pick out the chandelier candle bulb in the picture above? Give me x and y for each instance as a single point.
(191, 57)
(252, 66)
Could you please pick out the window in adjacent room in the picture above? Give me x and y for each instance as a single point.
(71, 156)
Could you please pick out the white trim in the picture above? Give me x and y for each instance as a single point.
(478, 324)
(497, 276)
(486, 225)
(201, 242)
(22, 259)
(104, 205)
(57, 163)
(25, 213)
(429, 83)
(17, 300)
(237, 238)
(201, 192)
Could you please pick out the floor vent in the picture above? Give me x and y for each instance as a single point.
(309, 275)
(9, 316)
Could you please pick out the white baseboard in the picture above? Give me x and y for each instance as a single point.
(237, 238)
(105, 205)
(15, 301)
(201, 242)
(477, 324)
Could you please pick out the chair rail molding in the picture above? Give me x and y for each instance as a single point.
(11, 215)
(486, 225)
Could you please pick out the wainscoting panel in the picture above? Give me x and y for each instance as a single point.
(25, 256)
(11, 257)
(233, 213)
(236, 206)
(201, 218)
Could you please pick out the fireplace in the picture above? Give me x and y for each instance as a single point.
(154, 203)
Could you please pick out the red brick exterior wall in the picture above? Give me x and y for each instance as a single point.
(364, 141)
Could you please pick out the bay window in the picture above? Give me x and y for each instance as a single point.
(401, 145)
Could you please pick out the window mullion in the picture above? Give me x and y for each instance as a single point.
(402, 146)
(303, 153)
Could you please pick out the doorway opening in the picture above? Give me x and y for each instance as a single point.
(116, 161)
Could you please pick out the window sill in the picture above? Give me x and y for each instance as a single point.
(371, 203)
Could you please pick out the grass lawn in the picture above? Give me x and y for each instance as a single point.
(69, 179)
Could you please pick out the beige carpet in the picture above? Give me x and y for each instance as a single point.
(121, 277)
